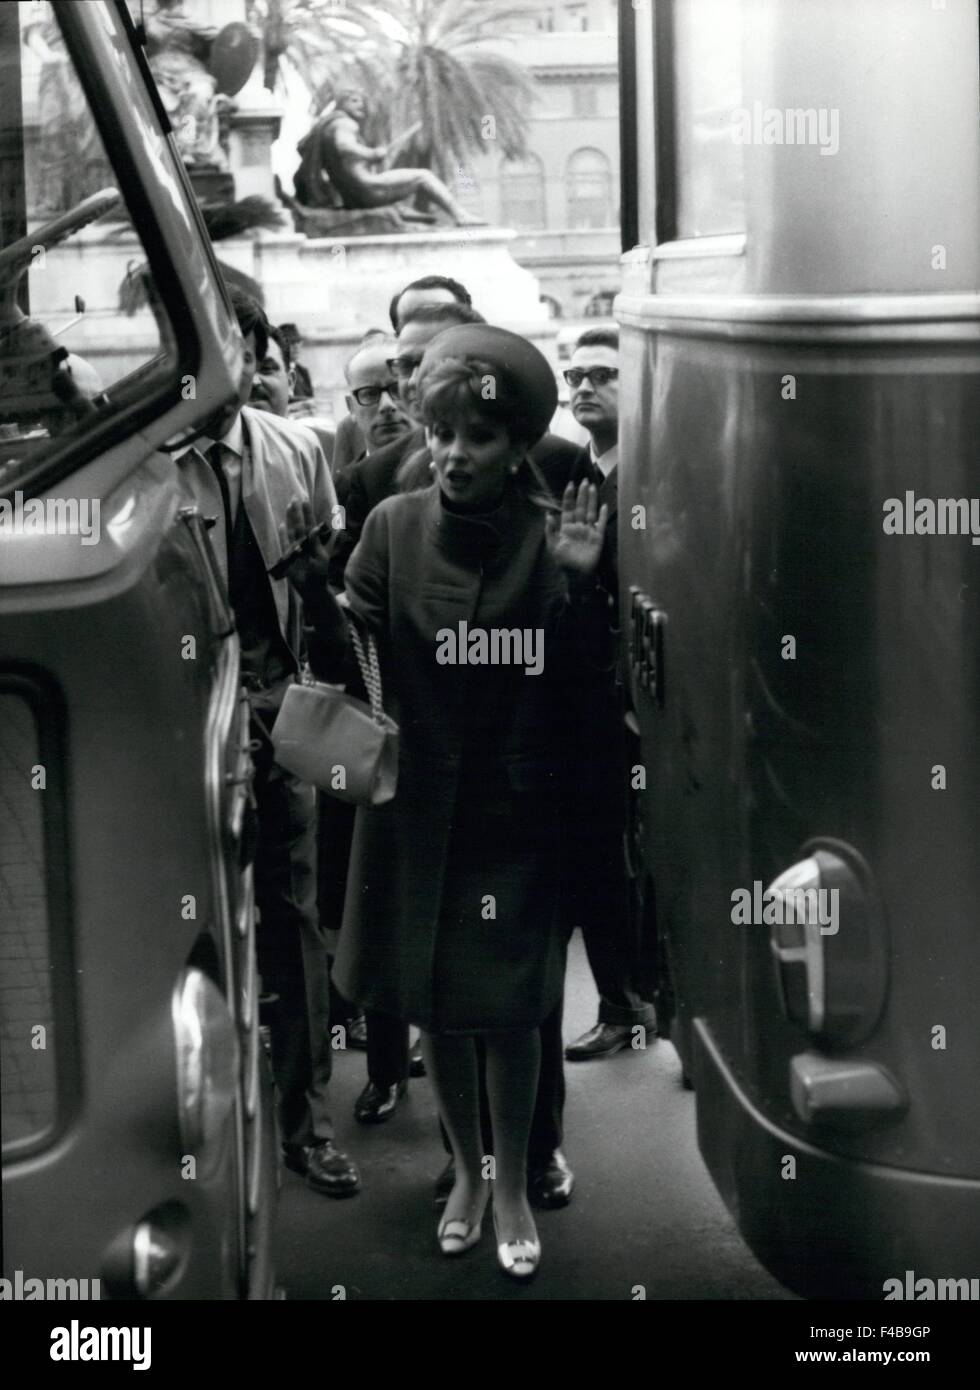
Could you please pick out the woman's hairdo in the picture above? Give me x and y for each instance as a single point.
(450, 386)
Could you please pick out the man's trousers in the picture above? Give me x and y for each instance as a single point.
(291, 954)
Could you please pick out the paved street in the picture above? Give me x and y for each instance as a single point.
(644, 1213)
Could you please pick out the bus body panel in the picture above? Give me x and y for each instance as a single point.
(836, 1228)
(126, 832)
(800, 331)
(761, 519)
(135, 723)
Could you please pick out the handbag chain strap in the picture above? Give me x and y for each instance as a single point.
(370, 672)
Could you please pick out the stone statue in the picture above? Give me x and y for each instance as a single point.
(339, 172)
(178, 49)
(71, 162)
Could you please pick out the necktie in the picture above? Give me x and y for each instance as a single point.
(213, 457)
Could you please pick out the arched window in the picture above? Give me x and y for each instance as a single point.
(522, 194)
(588, 190)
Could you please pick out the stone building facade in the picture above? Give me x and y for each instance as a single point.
(563, 199)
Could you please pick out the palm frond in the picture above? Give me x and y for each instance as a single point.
(422, 61)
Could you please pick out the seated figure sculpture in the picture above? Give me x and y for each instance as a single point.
(339, 171)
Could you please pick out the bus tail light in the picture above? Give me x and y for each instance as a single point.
(157, 1257)
(831, 973)
(828, 945)
(147, 1259)
(207, 1065)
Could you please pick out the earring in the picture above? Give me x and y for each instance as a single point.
(432, 465)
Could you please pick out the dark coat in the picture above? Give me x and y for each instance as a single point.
(451, 916)
(373, 478)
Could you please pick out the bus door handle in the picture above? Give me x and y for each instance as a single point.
(222, 621)
(647, 626)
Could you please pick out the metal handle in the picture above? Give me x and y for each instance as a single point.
(223, 620)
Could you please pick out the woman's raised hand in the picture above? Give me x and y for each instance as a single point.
(305, 556)
(575, 539)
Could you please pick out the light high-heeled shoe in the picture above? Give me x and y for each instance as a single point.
(518, 1258)
(455, 1235)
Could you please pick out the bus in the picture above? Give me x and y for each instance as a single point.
(140, 1158)
(800, 591)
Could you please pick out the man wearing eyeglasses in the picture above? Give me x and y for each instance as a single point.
(599, 899)
(593, 378)
(372, 477)
(418, 294)
(372, 394)
(378, 412)
(381, 376)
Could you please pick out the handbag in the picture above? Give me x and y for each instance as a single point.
(345, 747)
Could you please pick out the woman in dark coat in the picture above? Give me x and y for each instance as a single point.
(483, 610)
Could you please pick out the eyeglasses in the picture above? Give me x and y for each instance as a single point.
(599, 376)
(370, 395)
(404, 366)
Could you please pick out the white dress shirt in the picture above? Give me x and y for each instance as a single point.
(604, 462)
(232, 461)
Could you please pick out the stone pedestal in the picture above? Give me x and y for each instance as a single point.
(254, 127)
(333, 290)
(326, 283)
(210, 184)
(347, 223)
(250, 142)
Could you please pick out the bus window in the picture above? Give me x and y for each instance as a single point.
(27, 1053)
(706, 77)
(72, 357)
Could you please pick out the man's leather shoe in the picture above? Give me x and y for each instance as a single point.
(604, 1040)
(376, 1104)
(445, 1183)
(416, 1064)
(551, 1185)
(325, 1168)
(357, 1032)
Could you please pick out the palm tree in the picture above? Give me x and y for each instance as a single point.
(444, 79)
(322, 41)
(422, 63)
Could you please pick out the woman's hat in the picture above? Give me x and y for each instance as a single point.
(524, 375)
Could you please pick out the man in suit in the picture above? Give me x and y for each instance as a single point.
(245, 469)
(598, 899)
(428, 289)
(379, 414)
(272, 387)
(373, 477)
(376, 409)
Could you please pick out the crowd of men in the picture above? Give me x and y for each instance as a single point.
(250, 462)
